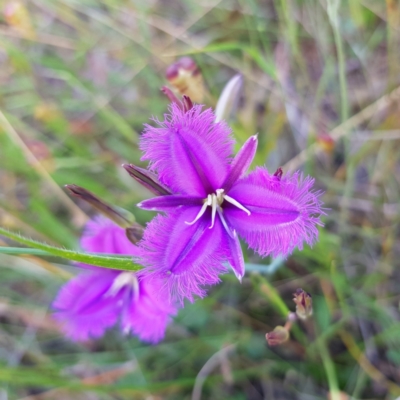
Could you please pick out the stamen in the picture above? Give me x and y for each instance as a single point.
(123, 279)
(215, 200)
(213, 210)
(202, 210)
(236, 203)
(135, 285)
(220, 195)
(221, 215)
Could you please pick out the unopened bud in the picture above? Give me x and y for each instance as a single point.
(147, 179)
(278, 173)
(187, 103)
(134, 233)
(278, 336)
(303, 302)
(171, 96)
(121, 217)
(185, 76)
(229, 99)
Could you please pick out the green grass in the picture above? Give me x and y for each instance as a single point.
(79, 79)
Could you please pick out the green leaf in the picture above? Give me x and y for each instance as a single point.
(120, 263)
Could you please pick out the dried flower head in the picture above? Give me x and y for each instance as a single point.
(303, 302)
(278, 336)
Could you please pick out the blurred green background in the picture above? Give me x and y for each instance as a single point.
(320, 80)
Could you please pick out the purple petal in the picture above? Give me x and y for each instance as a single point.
(149, 315)
(241, 162)
(102, 236)
(188, 150)
(168, 203)
(235, 256)
(185, 257)
(94, 301)
(284, 212)
(81, 307)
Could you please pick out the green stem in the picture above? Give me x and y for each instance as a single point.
(329, 370)
(272, 294)
(120, 263)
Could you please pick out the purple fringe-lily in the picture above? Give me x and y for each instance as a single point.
(214, 202)
(99, 298)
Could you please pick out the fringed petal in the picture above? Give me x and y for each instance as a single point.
(148, 317)
(185, 257)
(188, 150)
(101, 235)
(97, 299)
(82, 308)
(284, 212)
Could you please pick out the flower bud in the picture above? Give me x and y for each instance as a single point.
(278, 173)
(187, 103)
(121, 217)
(229, 99)
(134, 233)
(186, 78)
(147, 179)
(278, 336)
(171, 95)
(303, 302)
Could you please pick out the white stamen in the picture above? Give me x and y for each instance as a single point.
(221, 215)
(220, 195)
(236, 203)
(213, 210)
(124, 279)
(215, 201)
(202, 210)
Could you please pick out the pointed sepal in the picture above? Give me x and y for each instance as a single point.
(121, 217)
(147, 179)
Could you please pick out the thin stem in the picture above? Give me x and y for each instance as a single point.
(364, 363)
(119, 263)
(329, 370)
(333, 14)
(36, 252)
(266, 288)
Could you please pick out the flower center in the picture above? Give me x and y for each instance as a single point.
(215, 201)
(124, 279)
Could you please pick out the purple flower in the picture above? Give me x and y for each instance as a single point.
(214, 202)
(99, 298)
